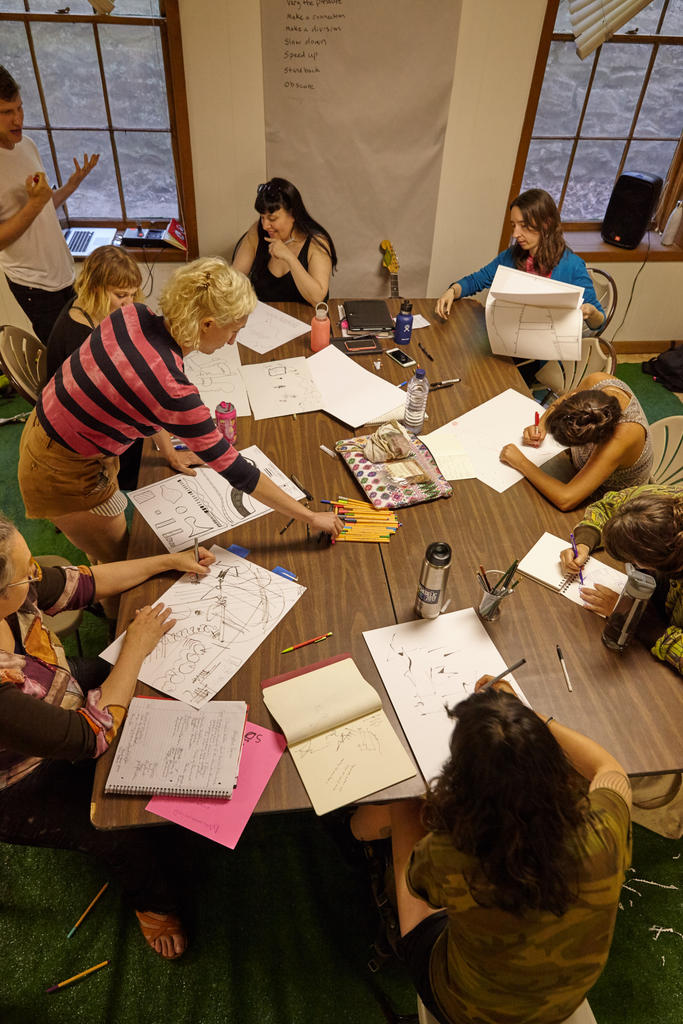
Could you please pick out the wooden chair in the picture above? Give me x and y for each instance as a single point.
(597, 354)
(582, 1015)
(667, 441)
(23, 360)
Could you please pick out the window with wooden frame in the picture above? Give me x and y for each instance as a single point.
(618, 110)
(112, 85)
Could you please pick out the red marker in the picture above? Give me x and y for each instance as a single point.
(36, 179)
(537, 419)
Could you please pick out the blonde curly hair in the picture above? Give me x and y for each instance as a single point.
(207, 287)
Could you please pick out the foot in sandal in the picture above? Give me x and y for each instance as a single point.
(163, 932)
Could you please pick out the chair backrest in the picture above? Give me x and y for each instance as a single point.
(560, 376)
(667, 442)
(24, 360)
(606, 291)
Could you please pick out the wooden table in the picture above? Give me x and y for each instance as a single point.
(628, 702)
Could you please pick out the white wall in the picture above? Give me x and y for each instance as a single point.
(495, 54)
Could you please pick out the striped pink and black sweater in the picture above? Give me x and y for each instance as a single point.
(127, 381)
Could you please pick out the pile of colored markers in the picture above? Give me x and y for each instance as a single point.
(363, 522)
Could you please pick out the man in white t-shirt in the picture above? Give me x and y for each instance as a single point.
(33, 254)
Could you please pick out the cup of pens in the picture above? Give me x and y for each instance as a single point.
(495, 586)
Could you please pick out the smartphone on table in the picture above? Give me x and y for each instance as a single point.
(400, 357)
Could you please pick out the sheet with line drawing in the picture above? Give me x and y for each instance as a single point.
(428, 664)
(217, 378)
(220, 622)
(533, 317)
(268, 328)
(183, 508)
(281, 388)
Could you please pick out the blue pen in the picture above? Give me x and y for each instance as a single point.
(576, 554)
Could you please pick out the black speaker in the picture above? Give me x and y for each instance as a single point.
(630, 209)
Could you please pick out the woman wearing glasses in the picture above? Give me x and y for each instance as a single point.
(58, 714)
(287, 256)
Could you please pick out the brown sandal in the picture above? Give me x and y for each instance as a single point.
(160, 926)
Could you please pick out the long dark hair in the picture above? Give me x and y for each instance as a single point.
(509, 798)
(539, 211)
(587, 417)
(280, 193)
(648, 530)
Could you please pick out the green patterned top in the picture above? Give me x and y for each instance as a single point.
(490, 966)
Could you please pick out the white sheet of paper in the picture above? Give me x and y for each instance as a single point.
(542, 563)
(449, 454)
(218, 378)
(267, 328)
(281, 388)
(485, 430)
(517, 286)
(221, 620)
(427, 664)
(533, 332)
(183, 508)
(349, 392)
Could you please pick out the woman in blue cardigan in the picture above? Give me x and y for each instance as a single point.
(538, 247)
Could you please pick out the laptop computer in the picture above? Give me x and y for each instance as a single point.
(82, 241)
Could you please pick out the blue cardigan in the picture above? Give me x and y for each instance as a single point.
(571, 269)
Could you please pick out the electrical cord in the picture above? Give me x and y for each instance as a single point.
(633, 287)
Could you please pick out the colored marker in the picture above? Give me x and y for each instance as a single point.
(87, 910)
(564, 668)
(576, 554)
(505, 672)
(305, 643)
(61, 984)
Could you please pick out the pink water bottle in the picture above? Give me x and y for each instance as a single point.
(320, 328)
(226, 421)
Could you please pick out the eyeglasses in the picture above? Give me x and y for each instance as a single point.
(34, 574)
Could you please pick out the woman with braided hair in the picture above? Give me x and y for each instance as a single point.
(608, 436)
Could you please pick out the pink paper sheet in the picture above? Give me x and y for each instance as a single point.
(224, 820)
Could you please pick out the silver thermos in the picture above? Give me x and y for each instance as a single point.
(621, 624)
(433, 579)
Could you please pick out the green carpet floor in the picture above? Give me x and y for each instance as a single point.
(280, 929)
(656, 400)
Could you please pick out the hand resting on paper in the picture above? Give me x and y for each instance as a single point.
(182, 462)
(510, 455)
(501, 685)
(147, 628)
(599, 599)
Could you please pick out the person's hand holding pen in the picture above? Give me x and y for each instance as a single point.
(500, 684)
(573, 559)
(534, 434)
(185, 561)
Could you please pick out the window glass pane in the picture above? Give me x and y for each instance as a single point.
(12, 7)
(616, 88)
(52, 6)
(650, 157)
(136, 8)
(673, 19)
(592, 180)
(646, 21)
(70, 74)
(546, 166)
(564, 88)
(16, 57)
(134, 70)
(660, 113)
(98, 195)
(40, 139)
(562, 22)
(146, 162)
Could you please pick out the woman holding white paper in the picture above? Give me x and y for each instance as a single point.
(538, 247)
(127, 381)
(57, 715)
(608, 436)
(507, 906)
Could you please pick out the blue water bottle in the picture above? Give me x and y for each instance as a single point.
(404, 324)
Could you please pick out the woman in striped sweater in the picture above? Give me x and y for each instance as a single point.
(127, 381)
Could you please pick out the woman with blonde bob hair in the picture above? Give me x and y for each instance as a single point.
(110, 278)
(127, 381)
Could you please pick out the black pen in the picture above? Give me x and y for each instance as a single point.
(297, 483)
(511, 668)
(444, 383)
(423, 349)
(287, 526)
(564, 668)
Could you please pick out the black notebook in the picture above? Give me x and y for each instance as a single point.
(368, 315)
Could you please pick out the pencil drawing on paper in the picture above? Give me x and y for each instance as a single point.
(217, 377)
(281, 388)
(432, 677)
(220, 621)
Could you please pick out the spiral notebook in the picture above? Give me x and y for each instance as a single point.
(169, 748)
(543, 564)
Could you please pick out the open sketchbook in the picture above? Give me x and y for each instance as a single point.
(533, 317)
(167, 747)
(340, 739)
(543, 564)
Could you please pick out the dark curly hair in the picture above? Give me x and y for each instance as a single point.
(510, 799)
(586, 417)
(648, 530)
(540, 212)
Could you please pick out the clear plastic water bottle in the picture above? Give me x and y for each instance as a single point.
(416, 401)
